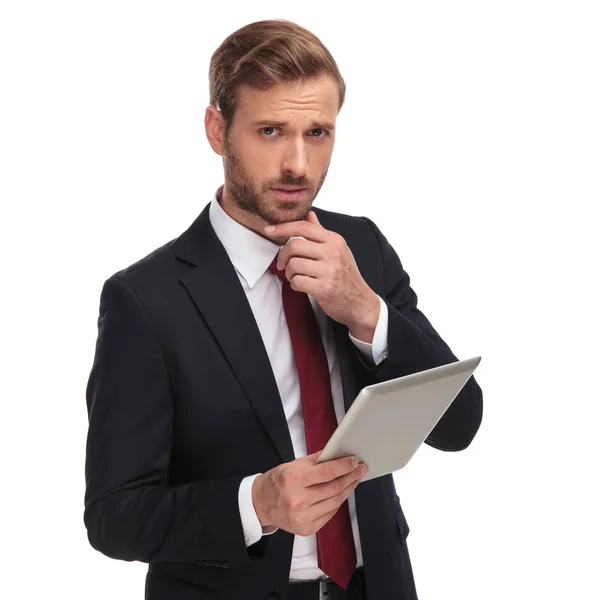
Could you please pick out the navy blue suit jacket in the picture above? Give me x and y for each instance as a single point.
(183, 405)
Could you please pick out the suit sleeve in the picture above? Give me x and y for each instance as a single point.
(131, 511)
(414, 345)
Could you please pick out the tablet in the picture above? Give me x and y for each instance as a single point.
(388, 421)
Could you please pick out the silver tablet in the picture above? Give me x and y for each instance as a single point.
(388, 421)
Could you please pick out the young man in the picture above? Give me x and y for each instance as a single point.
(226, 358)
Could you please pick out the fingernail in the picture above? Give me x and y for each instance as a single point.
(354, 463)
(364, 470)
(270, 228)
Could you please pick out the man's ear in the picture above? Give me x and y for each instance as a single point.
(214, 125)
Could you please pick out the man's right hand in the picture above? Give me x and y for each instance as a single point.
(301, 496)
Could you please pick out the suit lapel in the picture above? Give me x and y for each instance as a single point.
(217, 293)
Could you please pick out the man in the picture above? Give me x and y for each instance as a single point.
(226, 358)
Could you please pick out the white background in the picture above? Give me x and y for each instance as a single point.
(470, 134)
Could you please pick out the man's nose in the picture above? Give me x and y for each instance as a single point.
(295, 160)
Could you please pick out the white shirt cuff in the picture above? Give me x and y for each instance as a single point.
(253, 530)
(378, 350)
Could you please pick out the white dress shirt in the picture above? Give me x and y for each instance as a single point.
(251, 255)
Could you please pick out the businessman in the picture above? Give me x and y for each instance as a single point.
(226, 358)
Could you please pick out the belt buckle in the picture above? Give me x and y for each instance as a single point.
(323, 594)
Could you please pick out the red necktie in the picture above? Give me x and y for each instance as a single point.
(335, 544)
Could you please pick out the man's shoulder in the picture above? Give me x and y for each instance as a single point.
(157, 269)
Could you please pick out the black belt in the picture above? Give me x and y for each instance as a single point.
(329, 590)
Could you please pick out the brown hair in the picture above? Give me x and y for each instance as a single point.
(264, 54)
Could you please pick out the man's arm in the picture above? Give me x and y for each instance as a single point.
(323, 266)
(130, 511)
(414, 345)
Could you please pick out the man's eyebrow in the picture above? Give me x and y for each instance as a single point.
(315, 124)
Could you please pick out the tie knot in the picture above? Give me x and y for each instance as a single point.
(273, 268)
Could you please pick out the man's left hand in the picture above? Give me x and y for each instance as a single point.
(323, 266)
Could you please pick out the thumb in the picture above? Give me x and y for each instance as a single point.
(311, 458)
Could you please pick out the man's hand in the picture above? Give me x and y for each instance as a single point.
(301, 496)
(322, 265)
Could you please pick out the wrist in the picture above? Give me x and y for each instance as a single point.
(364, 325)
(256, 496)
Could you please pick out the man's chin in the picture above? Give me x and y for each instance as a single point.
(283, 215)
(286, 212)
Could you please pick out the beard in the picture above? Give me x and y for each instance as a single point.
(252, 201)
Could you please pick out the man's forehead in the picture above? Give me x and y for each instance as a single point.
(313, 96)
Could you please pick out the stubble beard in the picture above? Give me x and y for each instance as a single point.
(245, 196)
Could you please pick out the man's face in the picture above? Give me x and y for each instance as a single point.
(279, 138)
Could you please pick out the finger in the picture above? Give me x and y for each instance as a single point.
(310, 459)
(312, 218)
(313, 286)
(329, 506)
(304, 266)
(302, 248)
(322, 491)
(323, 520)
(329, 470)
(304, 229)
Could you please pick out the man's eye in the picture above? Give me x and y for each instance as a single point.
(323, 131)
(265, 130)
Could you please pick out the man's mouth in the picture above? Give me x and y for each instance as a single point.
(289, 193)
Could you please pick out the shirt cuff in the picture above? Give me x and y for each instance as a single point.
(378, 350)
(253, 530)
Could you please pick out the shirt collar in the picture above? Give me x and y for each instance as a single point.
(250, 253)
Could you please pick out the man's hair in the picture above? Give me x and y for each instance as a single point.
(264, 54)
